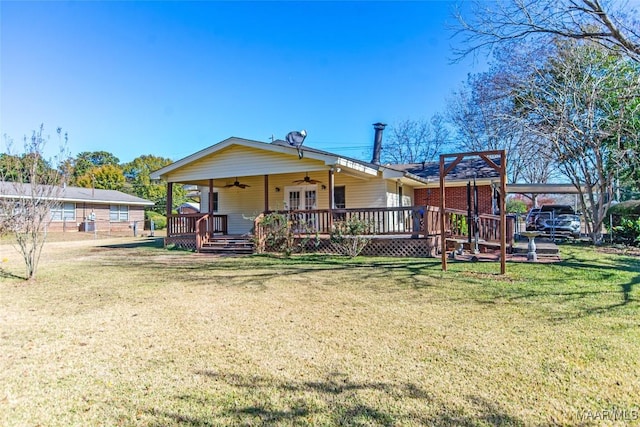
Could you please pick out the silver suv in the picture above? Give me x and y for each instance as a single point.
(558, 219)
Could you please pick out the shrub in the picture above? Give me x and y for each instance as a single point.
(516, 206)
(628, 232)
(349, 235)
(282, 234)
(159, 221)
(277, 235)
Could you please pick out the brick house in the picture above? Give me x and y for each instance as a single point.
(85, 209)
(466, 172)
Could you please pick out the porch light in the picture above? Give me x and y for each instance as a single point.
(277, 189)
(324, 187)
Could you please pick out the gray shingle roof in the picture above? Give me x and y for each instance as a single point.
(466, 170)
(76, 194)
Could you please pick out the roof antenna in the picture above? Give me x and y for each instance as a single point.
(272, 138)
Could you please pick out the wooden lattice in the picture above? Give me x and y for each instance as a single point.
(182, 242)
(380, 246)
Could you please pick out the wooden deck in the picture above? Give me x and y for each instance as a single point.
(412, 231)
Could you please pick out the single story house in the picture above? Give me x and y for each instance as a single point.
(189, 208)
(84, 209)
(241, 179)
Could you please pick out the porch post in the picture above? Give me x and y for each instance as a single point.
(266, 193)
(331, 187)
(211, 196)
(169, 205)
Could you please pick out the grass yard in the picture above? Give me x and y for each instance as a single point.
(126, 334)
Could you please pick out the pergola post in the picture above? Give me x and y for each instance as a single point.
(443, 240)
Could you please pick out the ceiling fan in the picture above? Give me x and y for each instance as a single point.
(307, 180)
(236, 183)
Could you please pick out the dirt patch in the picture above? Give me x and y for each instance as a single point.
(620, 250)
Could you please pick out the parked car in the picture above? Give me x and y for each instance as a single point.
(558, 219)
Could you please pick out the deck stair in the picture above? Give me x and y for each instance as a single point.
(228, 244)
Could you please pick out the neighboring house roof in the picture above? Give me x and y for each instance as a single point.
(279, 146)
(191, 205)
(74, 194)
(466, 170)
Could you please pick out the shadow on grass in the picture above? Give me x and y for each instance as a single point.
(557, 283)
(604, 279)
(149, 242)
(334, 401)
(4, 274)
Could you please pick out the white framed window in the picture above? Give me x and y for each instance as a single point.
(63, 212)
(118, 213)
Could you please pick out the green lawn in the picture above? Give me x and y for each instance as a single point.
(114, 333)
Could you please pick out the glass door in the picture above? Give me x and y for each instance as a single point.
(302, 198)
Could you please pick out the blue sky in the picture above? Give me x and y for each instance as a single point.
(171, 78)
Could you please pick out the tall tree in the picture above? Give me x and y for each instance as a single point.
(106, 177)
(580, 102)
(415, 141)
(613, 25)
(137, 173)
(27, 198)
(87, 160)
(481, 114)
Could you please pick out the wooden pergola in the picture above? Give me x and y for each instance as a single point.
(502, 170)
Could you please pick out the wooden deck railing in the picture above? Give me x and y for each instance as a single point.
(457, 224)
(414, 220)
(186, 224)
(417, 221)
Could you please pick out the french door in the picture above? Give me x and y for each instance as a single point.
(302, 198)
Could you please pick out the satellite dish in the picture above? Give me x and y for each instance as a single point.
(296, 139)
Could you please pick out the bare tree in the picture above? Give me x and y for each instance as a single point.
(613, 25)
(31, 191)
(481, 114)
(415, 141)
(577, 102)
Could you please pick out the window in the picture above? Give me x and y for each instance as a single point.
(339, 197)
(118, 213)
(63, 212)
(215, 202)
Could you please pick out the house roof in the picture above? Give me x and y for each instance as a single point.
(466, 170)
(74, 194)
(191, 205)
(279, 146)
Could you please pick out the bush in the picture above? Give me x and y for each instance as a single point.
(277, 233)
(516, 206)
(630, 207)
(159, 221)
(285, 234)
(628, 232)
(349, 235)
